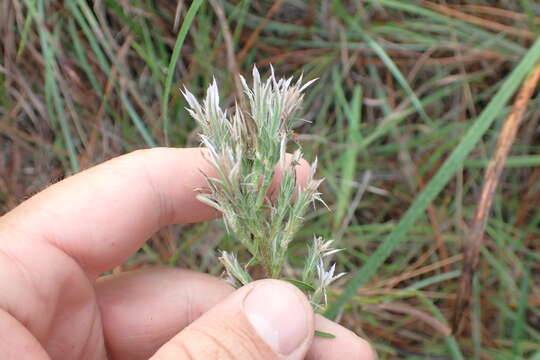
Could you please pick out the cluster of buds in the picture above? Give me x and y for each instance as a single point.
(245, 146)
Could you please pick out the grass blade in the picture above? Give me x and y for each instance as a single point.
(106, 67)
(193, 9)
(53, 98)
(349, 159)
(521, 316)
(441, 178)
(31, 6)
(451, 342)
(398, 76)
(324, 335)
(381, 53)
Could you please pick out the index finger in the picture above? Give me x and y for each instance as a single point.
(102, 215)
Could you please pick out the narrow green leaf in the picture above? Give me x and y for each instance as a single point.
(441, 178)
(325, 335)
(348, 160)
(31, 5)
(119, 11)
(139, 124)
(385, 58)
(55, 105)
(451, 342)
(512, 161)
(476, 319)
(521, 317)
(301, 285)
(392, 67)
(193, 9)
(105, 66)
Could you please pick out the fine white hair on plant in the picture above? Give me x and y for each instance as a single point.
(244, 145)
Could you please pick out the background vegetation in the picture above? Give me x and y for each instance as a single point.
(405, 116)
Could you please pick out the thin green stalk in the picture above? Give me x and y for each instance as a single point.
(31, 6)
(193, 9)
(521, 317)
(441, 178)
(52, 92)
(451, 342)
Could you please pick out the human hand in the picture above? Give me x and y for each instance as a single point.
(55, 305)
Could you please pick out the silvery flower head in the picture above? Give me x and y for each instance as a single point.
(244, 145)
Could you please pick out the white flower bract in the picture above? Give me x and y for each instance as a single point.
(244, 146)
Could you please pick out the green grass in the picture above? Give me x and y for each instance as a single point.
(405, 115)
(452, 164)
(193, 9)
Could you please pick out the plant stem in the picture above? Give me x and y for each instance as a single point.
(265, 258)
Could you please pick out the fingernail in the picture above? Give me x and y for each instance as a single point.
(278, 313)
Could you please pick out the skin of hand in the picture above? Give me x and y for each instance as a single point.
(55, 305)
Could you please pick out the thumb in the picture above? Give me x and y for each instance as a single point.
(267, 319)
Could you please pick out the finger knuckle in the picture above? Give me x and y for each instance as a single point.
(222, 342)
